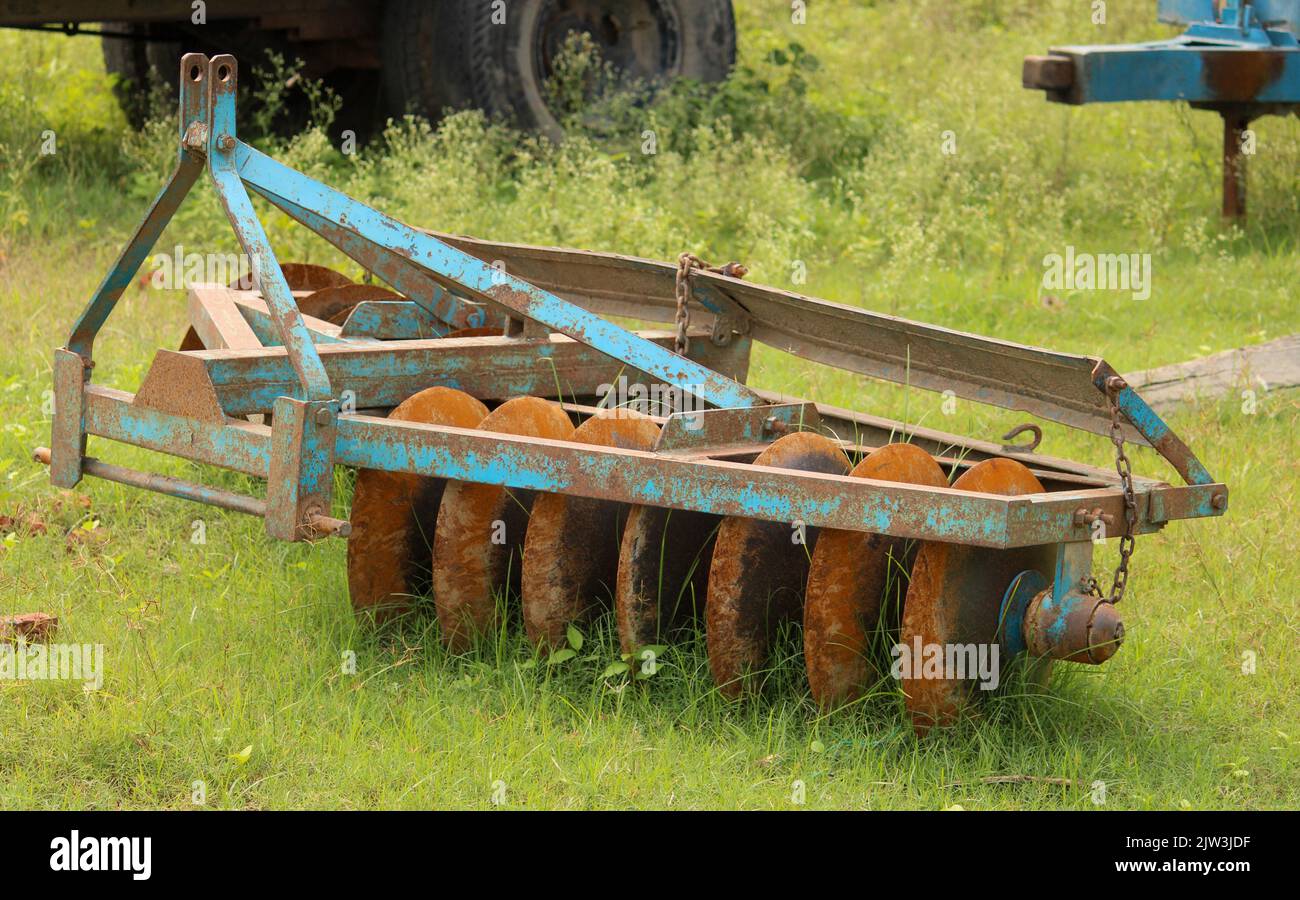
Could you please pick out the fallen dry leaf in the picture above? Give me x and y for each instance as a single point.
(23, 522)
(83, 537)
(31, 627)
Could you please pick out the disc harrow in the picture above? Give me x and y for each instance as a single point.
(503, 481)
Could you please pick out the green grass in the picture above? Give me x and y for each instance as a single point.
(239, 642)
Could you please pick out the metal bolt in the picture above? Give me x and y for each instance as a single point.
(196, 136)
(721, 335)
(1219, 501)
(1115, 384)
(316, 524)
(226, 142)
(311, 513)
(1083, 516)
(324, 416)
(773, 425)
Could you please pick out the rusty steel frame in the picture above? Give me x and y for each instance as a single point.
(266, 356)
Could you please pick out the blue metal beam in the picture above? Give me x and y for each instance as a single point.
(1149, 424)
(193, 155)
(1179, 70)
(397, 271)
(455, 268)
(294, 335)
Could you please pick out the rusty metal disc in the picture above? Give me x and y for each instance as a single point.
(480, 531)
(856, 585)
(954, 599)
(336, 302)
(572, 546)
(393, 514)
(300, 277)
(663, 573)
(758, 571)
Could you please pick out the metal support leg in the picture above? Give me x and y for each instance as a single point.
(223, 78)
(72, 364)
(1234, 165)
(193, 156)
(68, 432)
(301, 479)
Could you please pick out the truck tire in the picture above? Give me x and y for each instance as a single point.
(453, 54)
(142, 66)
(138, 65)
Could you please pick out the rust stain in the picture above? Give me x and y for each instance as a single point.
(1240, 76)
(478, 331)
(300, 277)
(519, 301)
(662, 573)
(180, 385)
(334, 303)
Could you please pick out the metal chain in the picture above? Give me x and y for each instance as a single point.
(686, 264)
(1124, 467)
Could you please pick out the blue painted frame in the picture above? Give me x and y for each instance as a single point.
(1194, 66)
(456, 289)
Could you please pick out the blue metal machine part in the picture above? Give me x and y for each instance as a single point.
(1238, 58)
(195, 403)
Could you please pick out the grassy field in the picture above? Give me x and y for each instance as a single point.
(224, 658)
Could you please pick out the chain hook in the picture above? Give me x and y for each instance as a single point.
(686, 264)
